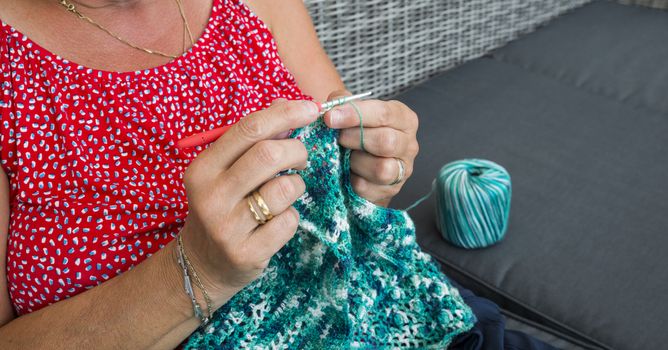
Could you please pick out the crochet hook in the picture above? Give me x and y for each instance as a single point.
(326, 106)
(205, 137)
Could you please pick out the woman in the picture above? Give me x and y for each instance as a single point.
(95, 94)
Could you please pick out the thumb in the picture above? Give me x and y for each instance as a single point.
(327, 118)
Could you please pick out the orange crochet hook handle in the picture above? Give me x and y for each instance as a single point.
(202, 138)
(211, 135)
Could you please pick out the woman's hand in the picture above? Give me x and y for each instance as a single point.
(390, 130)
(226, 245)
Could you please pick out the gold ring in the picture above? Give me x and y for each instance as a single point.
(260, 219)
(263, 205)
(400, 176)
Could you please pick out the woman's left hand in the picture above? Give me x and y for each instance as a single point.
(390, 130)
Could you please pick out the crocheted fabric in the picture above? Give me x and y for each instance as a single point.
(353, 275)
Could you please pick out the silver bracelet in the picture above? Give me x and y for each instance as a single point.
(188, 284)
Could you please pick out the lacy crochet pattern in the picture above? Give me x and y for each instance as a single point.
(352, 277)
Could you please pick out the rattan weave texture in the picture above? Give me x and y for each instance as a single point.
(389, 45)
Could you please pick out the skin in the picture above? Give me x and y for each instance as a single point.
(224, 242)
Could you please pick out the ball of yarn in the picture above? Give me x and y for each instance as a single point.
(472, 202)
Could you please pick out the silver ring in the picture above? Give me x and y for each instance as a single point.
(402, 171)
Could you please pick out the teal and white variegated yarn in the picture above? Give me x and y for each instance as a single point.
(352, 277)
(472, 202)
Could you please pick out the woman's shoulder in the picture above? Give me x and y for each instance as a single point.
(7, 13)
(4, 32)
(271, 12)
(4, 58)
(261, 8)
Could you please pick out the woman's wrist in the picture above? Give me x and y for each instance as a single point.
(172, 273)
(218, 293)
(145, 306)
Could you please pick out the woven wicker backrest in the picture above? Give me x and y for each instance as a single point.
(389, 45)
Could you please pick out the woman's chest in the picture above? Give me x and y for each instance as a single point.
(95, 175)
(72, 138)
(111, 37)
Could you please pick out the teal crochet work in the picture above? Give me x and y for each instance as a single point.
(352, 277)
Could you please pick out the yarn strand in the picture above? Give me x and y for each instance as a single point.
(473, 199)
(423, 198)
(359, 115)
(472, 204)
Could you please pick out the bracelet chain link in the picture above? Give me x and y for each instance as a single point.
(187, 269)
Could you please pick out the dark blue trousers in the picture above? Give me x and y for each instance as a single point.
(490, 332)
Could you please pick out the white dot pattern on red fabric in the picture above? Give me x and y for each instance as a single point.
(95, 178)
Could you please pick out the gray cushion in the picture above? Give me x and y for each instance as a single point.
(605, 48)
(585, 251)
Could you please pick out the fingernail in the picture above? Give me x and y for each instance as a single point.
(336, 116)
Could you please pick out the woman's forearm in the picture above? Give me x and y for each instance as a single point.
(144, 307)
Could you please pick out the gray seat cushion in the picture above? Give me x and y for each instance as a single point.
(605, 48)
(585, 251)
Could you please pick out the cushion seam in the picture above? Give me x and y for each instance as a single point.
(546, 329)
(565, 81)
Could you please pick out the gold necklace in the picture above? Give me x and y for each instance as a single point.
(71, 8)
(186, 28)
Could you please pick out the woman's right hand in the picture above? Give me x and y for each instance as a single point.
(227, 247)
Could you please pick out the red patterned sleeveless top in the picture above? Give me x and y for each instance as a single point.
(95, 178)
